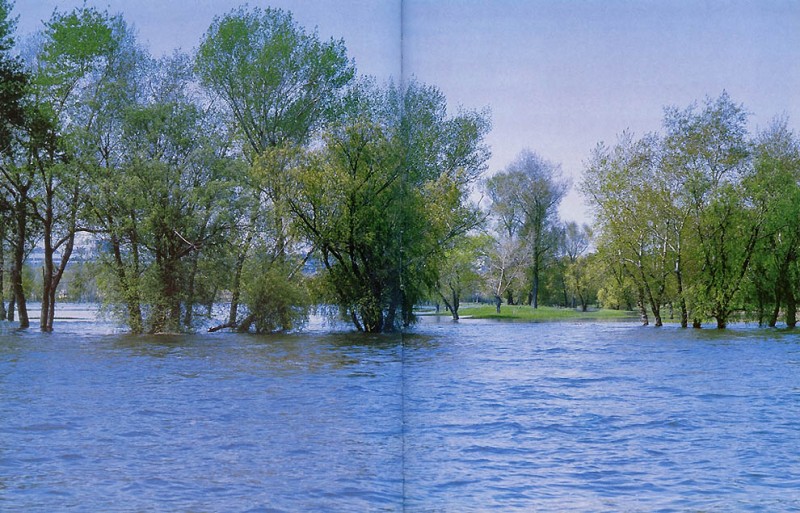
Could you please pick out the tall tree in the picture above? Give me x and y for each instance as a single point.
(525, 197)
(386, 196)
(175, 203)
(621, 184)
(68, 74)
(776, 185)
(710, 147)
(279, 84)
(18, 124)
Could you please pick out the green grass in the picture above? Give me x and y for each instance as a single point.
(543, 313)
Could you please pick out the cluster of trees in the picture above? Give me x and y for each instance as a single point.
(533, 255)
(225, 176)
(222, 175)
(701, 219)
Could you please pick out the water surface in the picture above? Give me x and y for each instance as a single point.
(471, 416)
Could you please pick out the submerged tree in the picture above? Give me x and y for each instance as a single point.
(19, 127)
(279, 84)
(701, 216)
(776, 185)
(386, 195)
(176, 201)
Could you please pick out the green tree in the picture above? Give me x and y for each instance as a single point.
(575, 241)
(279, 84)
(775, 185)
(77, 51)
(20, 128)
(386, 196)
(459, 274)
(709, 149)
(620, 183)
(177, 197)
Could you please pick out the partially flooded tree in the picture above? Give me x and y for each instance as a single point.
(19, 128)
(386, 196)
(279, 84)
(68, 73)
(621, 185)
(175, 166)
(710, 144)
(776, 185)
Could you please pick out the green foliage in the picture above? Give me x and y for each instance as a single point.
(276, 300)
(385, 197)
(702, 217)
(459, 270)
(278, 80)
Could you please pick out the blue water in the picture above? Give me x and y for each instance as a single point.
(472, 416)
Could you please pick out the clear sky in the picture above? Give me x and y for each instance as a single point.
(558, 76)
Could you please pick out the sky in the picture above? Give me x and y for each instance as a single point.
(558, 76)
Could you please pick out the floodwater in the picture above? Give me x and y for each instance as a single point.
(468, 416)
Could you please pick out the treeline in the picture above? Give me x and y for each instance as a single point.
(264, 174)
(700, 220)
(226, 175)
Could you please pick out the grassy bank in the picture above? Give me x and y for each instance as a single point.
(543, 313)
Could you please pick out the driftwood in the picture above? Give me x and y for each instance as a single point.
(240, 327)
(221, 327)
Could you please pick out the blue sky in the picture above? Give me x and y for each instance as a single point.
(558, 76)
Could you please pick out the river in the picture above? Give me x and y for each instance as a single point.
(468, 416)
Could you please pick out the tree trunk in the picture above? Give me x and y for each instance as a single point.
(773, 316)
(640, 303)
(19, 259)
(453, 309)
(129, 292)
(535, 288)
(721, 315)
(3, 314)
(47, 270)
(791, 309)
(236, 286)
(11, 308)
(187, 318)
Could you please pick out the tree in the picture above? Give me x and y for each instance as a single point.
(525, 196)
(582, 279)
(685, 214)
(176, 201)
(386, 195)
(18, 124)
(776, 185)
(502, 268)
(575, 241)
(279, 84)
(458, 273)
(622, 185)
(709, 150)
(68, 74)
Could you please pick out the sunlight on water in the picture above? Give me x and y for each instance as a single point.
(468, 416)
